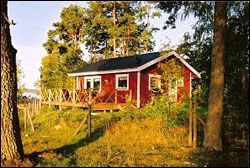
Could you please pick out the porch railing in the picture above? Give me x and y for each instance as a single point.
(81, 96)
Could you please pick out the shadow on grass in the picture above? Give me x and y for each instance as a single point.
(69, 150)
(226, 158)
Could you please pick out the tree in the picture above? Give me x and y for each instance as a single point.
(63, 48)
(236, 83)
(11, 144)
(212, 139)
(117, 29)
(203, 11)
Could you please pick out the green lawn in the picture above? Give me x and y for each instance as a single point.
(118, 139)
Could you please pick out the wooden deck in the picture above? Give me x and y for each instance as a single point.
(81, 99)
(98, 106)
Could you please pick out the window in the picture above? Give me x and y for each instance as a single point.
(97, 83)
(154, 82)
(173, 91)
(88, 83)
(122, 81)
(93, 82)
(180, 82)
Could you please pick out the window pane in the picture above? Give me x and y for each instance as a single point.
(88, 83)
(96, 83)
(122, 81)
(155, 83)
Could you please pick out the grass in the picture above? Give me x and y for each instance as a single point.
(127, 138)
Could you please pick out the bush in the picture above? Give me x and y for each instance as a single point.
(174, 114)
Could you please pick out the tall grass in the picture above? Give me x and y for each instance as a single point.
(152, 136)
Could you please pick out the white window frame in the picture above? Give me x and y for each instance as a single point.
(92, 81)
(176, 94)
(149, 80)
(116, 81)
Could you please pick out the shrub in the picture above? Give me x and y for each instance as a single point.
(160, 107)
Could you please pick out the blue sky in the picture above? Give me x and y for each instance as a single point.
(34, 19)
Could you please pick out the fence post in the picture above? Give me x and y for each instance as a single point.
(60, 99)
(25, 118)
(40, 101)
(74, 96)
(89, 117)
(31, 123)
(115, 96)
(190, 134)
(49, 98)
(195, 121)
(130, 95)
(32, 109)
(36, 107)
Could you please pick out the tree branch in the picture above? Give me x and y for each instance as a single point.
(10, 22)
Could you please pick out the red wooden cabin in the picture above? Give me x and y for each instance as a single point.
(134, 77)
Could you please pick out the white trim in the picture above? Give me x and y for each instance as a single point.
(104, 72)
(164, 57)
(139, 68)
(116, 81)
(149, 80)
(77, 83)
(187, 64)
(138, 89)
(154, 61)
(190, 76)
(92, 81)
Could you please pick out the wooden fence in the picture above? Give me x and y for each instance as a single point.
(193, 117)
(30, 110)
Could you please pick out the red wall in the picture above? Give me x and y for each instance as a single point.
(133, 85)
(145, 93)
(108, 86)
(182, 92)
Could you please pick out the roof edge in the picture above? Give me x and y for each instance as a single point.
(104, 72)
(142, 67)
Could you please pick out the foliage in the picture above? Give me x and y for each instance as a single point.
(171, 71)
(120, 24)
(124, 140)
(100, 26)
(63, 48)
(199, 49)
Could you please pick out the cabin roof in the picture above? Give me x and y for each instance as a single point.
(119, 63)
(128, 64)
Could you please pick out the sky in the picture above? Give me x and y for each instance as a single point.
(35, 18)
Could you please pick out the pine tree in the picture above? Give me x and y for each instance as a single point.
(63, 48)
(11, 143)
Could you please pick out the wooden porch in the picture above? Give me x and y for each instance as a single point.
(98, 99)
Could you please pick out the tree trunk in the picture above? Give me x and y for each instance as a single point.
(114, 38)
(11, 144)
(212, 139)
